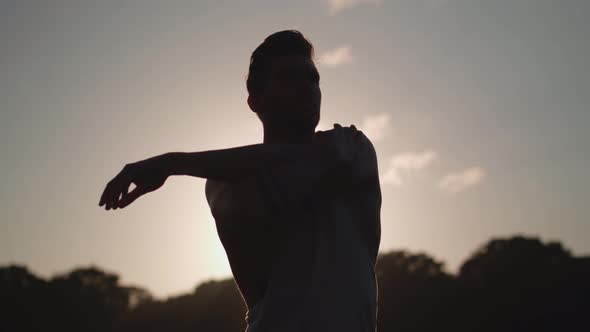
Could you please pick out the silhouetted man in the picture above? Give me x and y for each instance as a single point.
(299, 214)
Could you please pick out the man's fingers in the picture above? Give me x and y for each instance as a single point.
(111, 194)
(130, 197)
(108, 196)
(355, 130)
(116, 197)
(104, 195)
(100, 201)
(115, 193)
(119, 193)
(116, 200)
(124, 192)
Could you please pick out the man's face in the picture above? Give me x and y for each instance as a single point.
(292, 97)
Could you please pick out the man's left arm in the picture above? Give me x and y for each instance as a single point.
(309, 163)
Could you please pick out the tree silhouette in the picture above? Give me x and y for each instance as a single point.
(213, 306)
(521, 284)
(90, 300)
(21, 298)
(512, 284)
(411, 288)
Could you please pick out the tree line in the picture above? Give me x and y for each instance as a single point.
(508, 284)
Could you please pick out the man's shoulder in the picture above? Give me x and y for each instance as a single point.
(365, 163)
(364, 144)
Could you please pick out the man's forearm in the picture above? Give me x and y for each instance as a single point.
(234, 163)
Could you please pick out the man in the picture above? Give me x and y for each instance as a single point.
(299, 214)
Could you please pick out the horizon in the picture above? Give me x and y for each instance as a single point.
(165, 297)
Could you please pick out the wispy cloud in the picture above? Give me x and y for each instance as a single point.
(456, 182)
(392, 176)
(413, 161)
(406, 162)
(335, 6)
(376, 126)
(336, 57)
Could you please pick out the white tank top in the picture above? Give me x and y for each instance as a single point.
(322, 276)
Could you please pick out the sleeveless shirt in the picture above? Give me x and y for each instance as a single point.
(322, 275)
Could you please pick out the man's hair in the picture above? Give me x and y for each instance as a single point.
(286, 42)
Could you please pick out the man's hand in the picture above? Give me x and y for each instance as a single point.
(340, 140)
(148, 175)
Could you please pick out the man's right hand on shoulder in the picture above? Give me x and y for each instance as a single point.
(341, 141)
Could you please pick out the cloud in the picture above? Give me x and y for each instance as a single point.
(391, 176)
(406, 162)
(335, 6)
(336, 57)
(455, 182)
(376, 126)
(413, 161)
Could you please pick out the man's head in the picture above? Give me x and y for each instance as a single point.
(283, 84)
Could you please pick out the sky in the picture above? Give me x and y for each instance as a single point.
(478, 111)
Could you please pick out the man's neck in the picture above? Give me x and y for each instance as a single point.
(301, 137)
